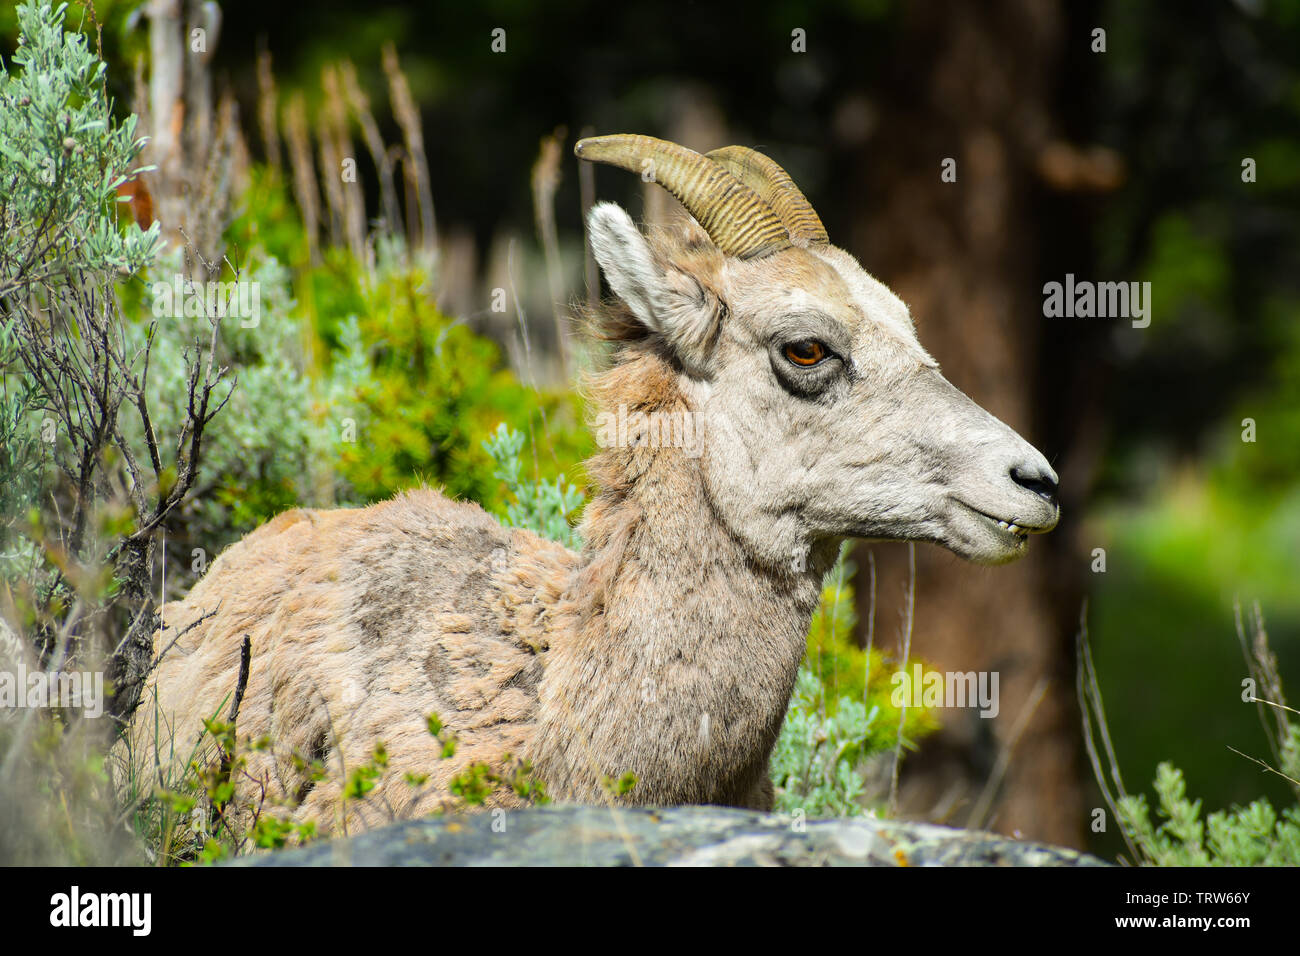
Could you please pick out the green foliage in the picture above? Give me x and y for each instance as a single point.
(199, 817)
(62, 157)
(1175, 566)
(1196, 514)
(360, 782)
(1254, 835)
(272, 833)
(477, 782)
(63, 254)
(817, 762)
(1251, 835)
(473, 785)
(619, 786)
(432, 390)
(190, 812)
(438, 391)
(266, 219)
(21, 459)
(847, 670)
(547, 508)
(57, 803)
(1187, 264)
(525, 782)
(360, 391)
(117, 21)
(1263, 472)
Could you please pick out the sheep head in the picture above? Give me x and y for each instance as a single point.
(822, 415)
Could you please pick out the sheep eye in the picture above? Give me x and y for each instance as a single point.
(805, 354)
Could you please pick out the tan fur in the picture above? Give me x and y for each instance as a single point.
(669, 647)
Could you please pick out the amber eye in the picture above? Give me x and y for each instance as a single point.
(806, 353)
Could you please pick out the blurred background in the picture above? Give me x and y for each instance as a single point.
(1112, 141)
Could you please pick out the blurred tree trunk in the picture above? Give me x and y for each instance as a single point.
(973, 82)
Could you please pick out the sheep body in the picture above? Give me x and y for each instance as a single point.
(364, 622)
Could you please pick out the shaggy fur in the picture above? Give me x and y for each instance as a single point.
(669, 647)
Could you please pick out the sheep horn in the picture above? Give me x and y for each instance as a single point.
(734, 216)
(775, 187)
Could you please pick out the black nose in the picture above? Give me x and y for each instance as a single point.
(1034, 478)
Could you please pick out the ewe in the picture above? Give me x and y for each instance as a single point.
(669, 646)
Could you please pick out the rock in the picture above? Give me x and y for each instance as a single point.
(670, 836)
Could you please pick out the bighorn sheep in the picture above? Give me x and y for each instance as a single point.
(669, 646)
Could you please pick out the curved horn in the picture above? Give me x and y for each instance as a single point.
(775, 187)
(736, 219)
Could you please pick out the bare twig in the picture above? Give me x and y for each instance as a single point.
(1292, 780)
(1263, 669)
(226, 762)
(181, 633)
(979, 813)
(1093, 710)
(241, 682)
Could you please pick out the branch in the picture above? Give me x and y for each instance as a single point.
(181, 633)
(241, 682)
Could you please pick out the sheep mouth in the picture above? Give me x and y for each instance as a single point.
(1017, 530)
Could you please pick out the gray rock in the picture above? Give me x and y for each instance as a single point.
(671, 836)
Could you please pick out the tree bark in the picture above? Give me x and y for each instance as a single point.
(973, 82)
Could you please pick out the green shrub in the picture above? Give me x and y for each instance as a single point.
(438, 391)
(1255, 835)
(841, 715)
(432, 391)
(62, 157)
(544, 507)
(352, 386)
(22, 460)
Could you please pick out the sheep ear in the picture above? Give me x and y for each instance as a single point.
(664, 298)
